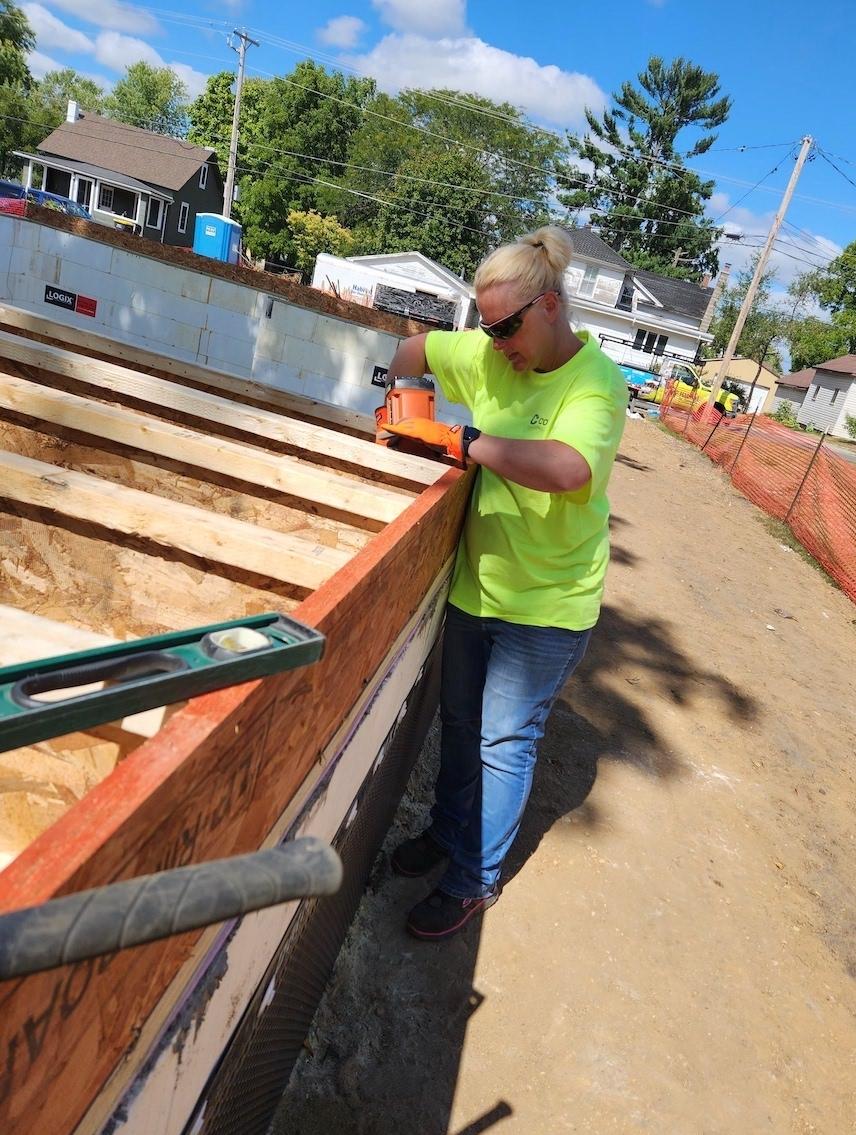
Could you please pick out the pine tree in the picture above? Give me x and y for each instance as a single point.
(640, 197)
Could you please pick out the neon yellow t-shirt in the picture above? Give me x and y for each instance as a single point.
(527, 556)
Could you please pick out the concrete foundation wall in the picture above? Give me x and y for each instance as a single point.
(186, 314)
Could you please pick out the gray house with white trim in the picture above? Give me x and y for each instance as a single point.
(830, 396)
(127, 177)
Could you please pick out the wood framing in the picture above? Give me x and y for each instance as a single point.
(168, 398)
(220, 773)
(214, 539)
(301, 480)
(211, 783)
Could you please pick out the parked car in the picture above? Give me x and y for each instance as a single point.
(13, 190)
(56, 201)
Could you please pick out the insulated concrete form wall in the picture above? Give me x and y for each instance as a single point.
(198, 318)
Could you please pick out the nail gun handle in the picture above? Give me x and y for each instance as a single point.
(134, 668)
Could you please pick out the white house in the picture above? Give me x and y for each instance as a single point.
(830, 397)
(406, 283)
(639, 317)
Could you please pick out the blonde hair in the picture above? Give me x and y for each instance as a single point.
(535, 262)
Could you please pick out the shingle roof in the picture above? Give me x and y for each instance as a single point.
(680, 296)
(845, 364)
(590, 245)
(98, 173)
(800, 379)
(152, 158)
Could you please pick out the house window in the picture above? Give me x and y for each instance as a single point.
(588, 281)
(183, 214)
(625, 298)
(203, 176)
(814, 394)
(660, 345)
(155, 213)
(639, 341)
(834, 395)
(120, 202)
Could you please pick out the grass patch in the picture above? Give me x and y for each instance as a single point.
(781, 532)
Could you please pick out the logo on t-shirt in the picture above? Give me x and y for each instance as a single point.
(536, 420)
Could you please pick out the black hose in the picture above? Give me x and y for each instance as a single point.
(100, 921)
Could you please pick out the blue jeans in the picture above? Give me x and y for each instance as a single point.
(499, 683)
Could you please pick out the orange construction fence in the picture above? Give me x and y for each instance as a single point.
(797, 477)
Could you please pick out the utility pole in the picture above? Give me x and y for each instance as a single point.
(229, 189)
(746, 306)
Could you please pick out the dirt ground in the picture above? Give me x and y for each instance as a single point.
(675, 947)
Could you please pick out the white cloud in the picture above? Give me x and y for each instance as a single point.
(40, 64)
(119, 51)
(110, 14)
(52, 32)
(194, 80)
(430, 18)
(343, 31)
(546, 93)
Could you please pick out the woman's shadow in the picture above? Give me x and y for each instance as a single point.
(593, 718)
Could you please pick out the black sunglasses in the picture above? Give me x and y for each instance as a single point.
(510, 324)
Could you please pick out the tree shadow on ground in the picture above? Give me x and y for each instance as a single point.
(394, 1023)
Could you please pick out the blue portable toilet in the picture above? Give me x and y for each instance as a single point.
(217, 237)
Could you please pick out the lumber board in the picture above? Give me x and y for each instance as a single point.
(228, 384)
(212, 783)
(299, 479)
(217, 539)
(164, 396)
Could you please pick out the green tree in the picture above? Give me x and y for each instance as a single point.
(16, 39)
(211, 115)
(511, 164)
(813, 340)
(438, 215)
(641, 197)
(54, 92)
(312, 234)
(153, 98)
(766, 326)
(306, 121)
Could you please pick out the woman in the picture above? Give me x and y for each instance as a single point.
(548, 410)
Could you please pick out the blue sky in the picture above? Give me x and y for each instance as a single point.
(787, 66)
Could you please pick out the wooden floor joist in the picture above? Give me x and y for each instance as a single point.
(299, 479)
(215, 538)
(160, 394)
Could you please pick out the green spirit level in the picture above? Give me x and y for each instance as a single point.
(146, 673)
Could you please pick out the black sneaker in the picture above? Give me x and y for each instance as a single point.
(418, 856)
(441, 915)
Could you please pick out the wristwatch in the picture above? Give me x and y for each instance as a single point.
(469, 435)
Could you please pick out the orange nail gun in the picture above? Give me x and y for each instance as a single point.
(405, 398)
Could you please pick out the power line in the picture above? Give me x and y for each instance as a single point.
(748, 192)
(830, 162)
